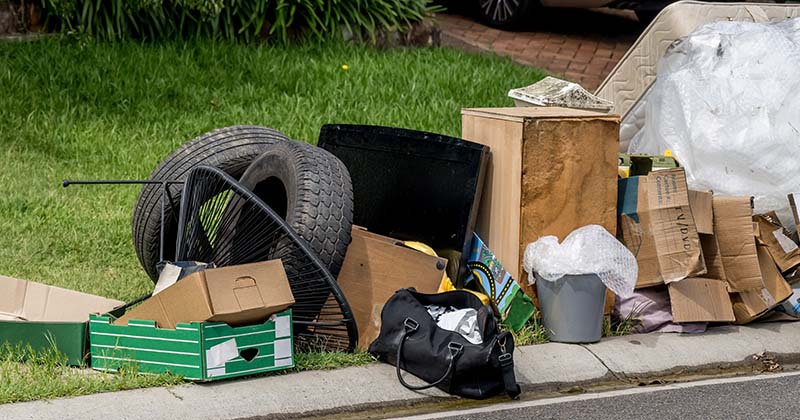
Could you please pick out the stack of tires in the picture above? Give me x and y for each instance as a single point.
(306, 185)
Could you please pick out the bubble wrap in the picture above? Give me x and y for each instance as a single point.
(726, 103)
(587, 250)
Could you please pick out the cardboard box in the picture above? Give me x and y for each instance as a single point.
(200, 351)
(375, 267)
(750, 305)
(700, 300)
(703, 299)
(34, 314)
(551, 170)
(783, 249)
(237, 295)
(657, 225)
(733, 229)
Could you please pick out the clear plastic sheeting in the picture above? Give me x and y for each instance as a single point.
(727, 103)
(587, 250)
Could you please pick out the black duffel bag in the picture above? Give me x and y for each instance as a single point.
(410, 339)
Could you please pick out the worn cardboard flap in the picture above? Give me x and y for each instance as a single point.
(783, 249)
(774, 282)
(700, 300)
(31, 301)
(658, 227)
(712, 257)
(702, 204)
(237, 295)
(733, 228)
(793, 199)
(751, 304)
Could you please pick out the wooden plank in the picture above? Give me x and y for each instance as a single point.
(499, 210)
(519, 114)
(373, 269)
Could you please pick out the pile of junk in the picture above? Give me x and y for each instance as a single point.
(667, 198)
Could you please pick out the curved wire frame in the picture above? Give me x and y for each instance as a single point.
(224, 223)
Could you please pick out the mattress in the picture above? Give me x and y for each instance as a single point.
(628, 82)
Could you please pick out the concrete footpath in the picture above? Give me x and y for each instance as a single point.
(541, 370)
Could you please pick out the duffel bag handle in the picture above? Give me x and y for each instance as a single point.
(506, 361)
(411, 327)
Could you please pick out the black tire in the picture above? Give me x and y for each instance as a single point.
(311, 189)
(506, 14)
(230, 149)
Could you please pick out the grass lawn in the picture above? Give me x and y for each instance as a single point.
(72, 109)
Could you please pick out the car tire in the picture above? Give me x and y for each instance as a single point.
(311, 189)
(506, 14)
(230, 149)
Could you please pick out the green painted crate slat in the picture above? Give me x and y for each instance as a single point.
(70, 338)
(199, 350)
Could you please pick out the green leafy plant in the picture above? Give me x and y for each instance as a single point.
(622, 326)
(245, 20)
(532, 333)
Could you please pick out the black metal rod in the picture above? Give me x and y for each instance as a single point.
(161, 231)
(164, 194)
(67, 182)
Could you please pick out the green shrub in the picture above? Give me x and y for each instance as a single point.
(246, 20)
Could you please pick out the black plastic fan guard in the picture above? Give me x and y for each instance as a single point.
(224, 223)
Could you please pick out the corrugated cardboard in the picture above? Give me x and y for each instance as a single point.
(657, 225)
(237, 295)
(749, 305)
(702, 204)
(733, 228)
(34, 314)
(700, 300)
(793, 199)
(30, 301)
(712, 257)
(783, 249)
(792, 305)
(374, 268)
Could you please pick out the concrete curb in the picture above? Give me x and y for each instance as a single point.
(544, 368)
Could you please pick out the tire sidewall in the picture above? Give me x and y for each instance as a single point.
(275, 165)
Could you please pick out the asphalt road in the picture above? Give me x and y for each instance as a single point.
(759, 397)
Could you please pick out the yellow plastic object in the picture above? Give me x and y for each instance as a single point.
(446, 285)
(425, 249)
(419, 246)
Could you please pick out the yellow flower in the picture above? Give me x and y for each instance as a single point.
(345, 67)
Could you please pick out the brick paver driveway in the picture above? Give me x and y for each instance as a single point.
(579, 45)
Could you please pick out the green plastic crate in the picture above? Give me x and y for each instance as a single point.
(200, 351)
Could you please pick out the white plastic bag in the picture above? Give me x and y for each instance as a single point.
(587, 250)
(726, 102)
